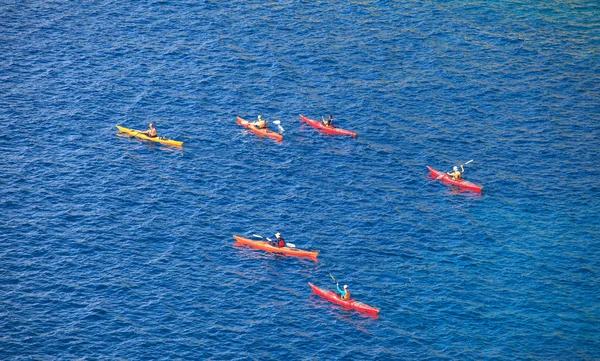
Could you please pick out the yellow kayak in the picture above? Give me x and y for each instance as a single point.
(140, 135)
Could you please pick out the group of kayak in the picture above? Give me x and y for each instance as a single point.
(261, 127)
(279, 245)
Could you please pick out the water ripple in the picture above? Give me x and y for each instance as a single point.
(113, 248)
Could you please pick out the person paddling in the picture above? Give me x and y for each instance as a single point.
(344, 294)
(278, 241)
(150, 132)
(456, 174)
(261, 123)
(329, 121)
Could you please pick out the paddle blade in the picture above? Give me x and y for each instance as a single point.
(291, 245)
(256, 235)
(330, 275)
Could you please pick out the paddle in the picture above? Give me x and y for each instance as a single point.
(137, 132)
(332, 278)
(330, 125)
(441, 175)
(146, 134)
(278, 123)
(131, 135)
(291, 245)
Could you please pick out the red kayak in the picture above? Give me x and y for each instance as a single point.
(260, 131)
(445, 178)
(353, 304)
(331, 130)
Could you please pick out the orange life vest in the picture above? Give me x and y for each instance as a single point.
(347, 297)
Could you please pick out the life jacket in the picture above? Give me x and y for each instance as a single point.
(281, 243)
(347, 297)
(262, 124)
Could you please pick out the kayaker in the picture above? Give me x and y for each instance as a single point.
(456, 174)
(344, 294)
(329, 121)
(261, 123)
(278, 241)
(150, 132)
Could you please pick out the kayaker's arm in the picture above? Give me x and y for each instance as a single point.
(272, 242)
(342, 292)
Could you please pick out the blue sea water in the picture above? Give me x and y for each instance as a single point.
(113, 248)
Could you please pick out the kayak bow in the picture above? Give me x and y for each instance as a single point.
(331, 130)
(263, 132)
(445, 178)
(140, 135)
(354, 304)
(266, 246)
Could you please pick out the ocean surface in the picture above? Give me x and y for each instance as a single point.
(112, 248)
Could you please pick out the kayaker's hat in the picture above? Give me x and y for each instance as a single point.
(455, 168)
(259, 117)
(277, 235)
(345, 286)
